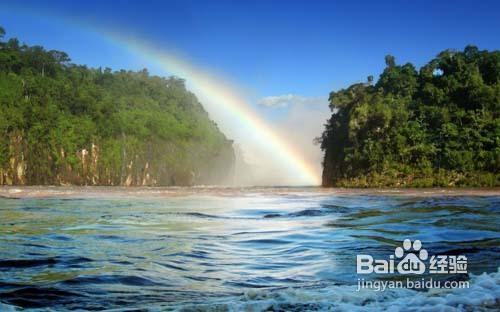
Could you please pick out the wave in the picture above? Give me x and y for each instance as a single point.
(482, 295)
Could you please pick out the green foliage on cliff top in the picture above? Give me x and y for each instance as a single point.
(51, 109)
(438, 126)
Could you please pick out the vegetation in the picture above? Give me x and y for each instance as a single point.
(439, 126)
(62, 123)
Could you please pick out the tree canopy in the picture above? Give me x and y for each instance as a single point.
(438, 126)
(66, 123)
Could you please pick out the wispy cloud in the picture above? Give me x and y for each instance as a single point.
(287, 100)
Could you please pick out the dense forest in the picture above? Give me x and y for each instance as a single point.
(438, 126)
(62, 123)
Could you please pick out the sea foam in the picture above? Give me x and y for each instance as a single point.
(482, 295)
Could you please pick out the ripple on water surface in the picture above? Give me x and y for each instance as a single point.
(233, 249)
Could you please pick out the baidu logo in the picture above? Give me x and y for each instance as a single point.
(410, 258)
(414, 255)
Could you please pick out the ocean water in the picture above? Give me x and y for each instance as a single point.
(238, 249)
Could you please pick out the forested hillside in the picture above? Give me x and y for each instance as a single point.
(438, 126)
(62, 123)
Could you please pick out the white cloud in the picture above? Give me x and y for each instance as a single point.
(287, 100)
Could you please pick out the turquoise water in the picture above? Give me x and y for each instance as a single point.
(228, 249)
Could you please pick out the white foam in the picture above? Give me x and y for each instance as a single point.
(482, 295)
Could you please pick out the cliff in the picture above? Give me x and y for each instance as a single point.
(62, 123)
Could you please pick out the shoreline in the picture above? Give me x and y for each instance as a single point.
(20, 192)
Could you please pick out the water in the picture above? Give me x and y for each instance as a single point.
(223, 249)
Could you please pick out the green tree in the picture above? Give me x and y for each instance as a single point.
(65, 123)
(438, 126)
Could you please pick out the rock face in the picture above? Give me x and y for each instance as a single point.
(137, 169)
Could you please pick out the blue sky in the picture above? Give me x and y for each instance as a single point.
(271, 47)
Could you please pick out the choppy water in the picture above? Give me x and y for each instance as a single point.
(255, 249)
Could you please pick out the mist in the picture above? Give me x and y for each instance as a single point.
(305, 121)
(298, 121)
(273, 137)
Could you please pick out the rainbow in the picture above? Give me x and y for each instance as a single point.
(223, 97)
(216, 91)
